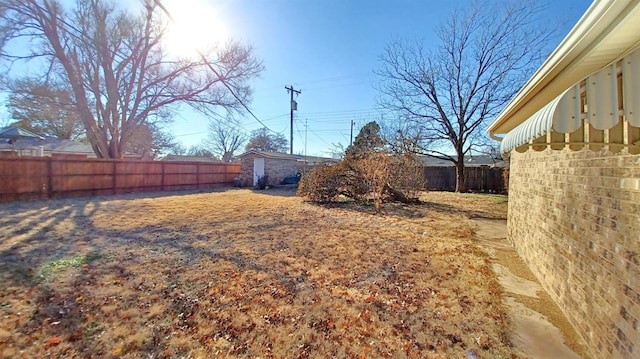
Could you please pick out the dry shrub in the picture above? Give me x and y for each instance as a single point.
(374, 170)
(379, 176)
(321, 184)
(408, 176)
(327, 182)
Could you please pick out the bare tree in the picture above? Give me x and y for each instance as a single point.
(44, 108)
(337, 150)
(148, 141)
(224, 140)
(445, 97)
(262, 140)
(200, 151)
(119, 73)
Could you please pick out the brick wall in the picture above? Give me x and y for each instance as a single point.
(276, 169)
(246, 173)
(574, 217)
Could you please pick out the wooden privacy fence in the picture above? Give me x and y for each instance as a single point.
(24, 178)
(479, 179)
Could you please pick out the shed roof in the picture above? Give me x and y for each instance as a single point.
(286, 156)
(14, 133)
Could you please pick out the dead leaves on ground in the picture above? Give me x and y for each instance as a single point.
(240, 274)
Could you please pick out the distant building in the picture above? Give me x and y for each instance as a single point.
(49, 146)
(182, 158)
(469, 161)
(276, 166)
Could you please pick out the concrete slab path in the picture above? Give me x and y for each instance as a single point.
(539, 329)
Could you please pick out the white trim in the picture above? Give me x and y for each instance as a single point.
(536, 126)
(608, 30)
(564, 113)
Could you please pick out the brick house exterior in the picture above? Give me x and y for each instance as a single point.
(573, 136)
(276, 166)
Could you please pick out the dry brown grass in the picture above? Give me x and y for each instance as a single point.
(243, 274)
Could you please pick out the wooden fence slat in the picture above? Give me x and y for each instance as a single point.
(49, 178)
(46, 177)
(478, 179)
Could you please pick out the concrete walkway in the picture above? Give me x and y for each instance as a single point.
(539, 329)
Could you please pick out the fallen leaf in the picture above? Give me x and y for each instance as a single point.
(53, 341)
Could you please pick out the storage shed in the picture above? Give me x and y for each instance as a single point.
(275, 165)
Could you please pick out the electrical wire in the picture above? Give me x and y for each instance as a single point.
(215, 72)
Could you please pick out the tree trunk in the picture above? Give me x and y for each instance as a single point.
(461, 183)
(399, 196)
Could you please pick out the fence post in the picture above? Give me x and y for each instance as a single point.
(113, 172)
(162, 178)
(49, 177)
(198, 175)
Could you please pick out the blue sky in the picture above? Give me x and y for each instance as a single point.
(329, 50)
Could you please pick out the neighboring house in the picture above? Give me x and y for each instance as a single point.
(190, 158)
(275, 165)
(573, 135)
(469, 161)
(49, 146)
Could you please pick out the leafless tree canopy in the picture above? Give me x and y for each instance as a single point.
(224, 140)
(445, 96)
(263, 140)
(46, 109)
(120, 75)
(149, 142)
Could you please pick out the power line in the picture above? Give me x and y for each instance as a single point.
(320, 138)
(208, 64)
(337, 85)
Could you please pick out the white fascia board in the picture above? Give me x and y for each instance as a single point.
(592, 44)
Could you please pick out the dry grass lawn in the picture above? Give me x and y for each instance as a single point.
(241, 274)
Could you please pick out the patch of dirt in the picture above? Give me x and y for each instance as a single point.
(539, 328)
(239, 273)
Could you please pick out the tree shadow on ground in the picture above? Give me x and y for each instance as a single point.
(278, 191)
(409, 210)
(367, 207)
(445, 208)
(60, 314)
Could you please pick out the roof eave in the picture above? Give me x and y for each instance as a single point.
(589, 46)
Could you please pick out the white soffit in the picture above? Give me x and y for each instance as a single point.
(564, 114)
(536, 126)
(607, 30)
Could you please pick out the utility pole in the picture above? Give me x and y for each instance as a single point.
(351, 138)
(306, 126)
(294, 107)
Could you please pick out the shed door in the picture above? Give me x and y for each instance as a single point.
(258, 169)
